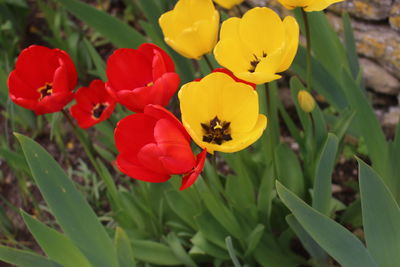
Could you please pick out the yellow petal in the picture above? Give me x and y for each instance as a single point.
(195, 9)
(242, 140)
(318, 5)
(228, 4)
(292, 42)
(290, 4)
(306, 101)
(261, 29)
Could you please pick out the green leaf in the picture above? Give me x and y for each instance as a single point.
(154, 253)
(343, 123)
(289, 170)
(186, 210)
(254, 238)
(350, 44)
(211, 229)
(316, 252)
(97, 60)
(23, 258)
(56, 246)
(322, 192)
(368, 126)
(119, 33)
(71, 210)
(176, 246)
(200, 242)
(219, 210)
(336, 240)
(124, 249)
(381, 217)
(232, 252)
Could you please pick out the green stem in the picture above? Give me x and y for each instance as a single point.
(208, 62)
(86, 147)
(214, 161)
(308, 39)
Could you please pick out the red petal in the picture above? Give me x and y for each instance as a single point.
(135, 171)
(149, 157)
(84, 118)
(127, 69)
(149, 50)
(159, 112)
(133, 132)
(19, 89)
(71, 70)
(191, 177)
(175, 151)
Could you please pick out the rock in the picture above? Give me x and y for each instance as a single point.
(392, 117)
(394, 18)
(378, 79)
(378, 42)
(365, 9)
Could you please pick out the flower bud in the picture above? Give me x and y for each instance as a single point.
(306, 101)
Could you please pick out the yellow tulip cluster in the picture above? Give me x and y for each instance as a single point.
(220, 112)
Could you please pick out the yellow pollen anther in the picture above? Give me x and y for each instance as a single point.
(218, 126)
(150, 84)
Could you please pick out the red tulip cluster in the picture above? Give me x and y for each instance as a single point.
(153, 145)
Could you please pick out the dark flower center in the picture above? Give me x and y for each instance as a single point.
(46, 90)
(98, 110)
(254, 63)
(216, 131)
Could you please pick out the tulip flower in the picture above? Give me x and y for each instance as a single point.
(43, 79)
(221, 114)
(306, 101)
(154, 145)
(257, 46)
(228, 4)
(308, 5)
(191, 28)
(93, 104)
(226, 71)
(140, 77)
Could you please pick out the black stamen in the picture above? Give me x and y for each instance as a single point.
(98, 110)
(216, 131)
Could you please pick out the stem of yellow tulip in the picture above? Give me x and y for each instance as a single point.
(208, 62)
(308, 39)
(86, 147)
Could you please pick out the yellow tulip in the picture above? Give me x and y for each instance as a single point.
(191, 28)
(257, 46)
(308, 5)
(228, 4)
(221, 114)
(306, 101)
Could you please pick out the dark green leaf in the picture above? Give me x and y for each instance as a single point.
(23, 258)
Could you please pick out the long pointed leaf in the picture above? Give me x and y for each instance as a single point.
(71, 210)
(381, 218)
(336, 240)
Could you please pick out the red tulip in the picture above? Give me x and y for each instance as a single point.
(142, 76)
(154, 145)
(230, 73)
(93, 104)
(43, 79)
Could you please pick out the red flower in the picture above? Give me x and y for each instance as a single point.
(43, 79)
(154, 145)
(93, 104)
(230, 73)
(142, 76)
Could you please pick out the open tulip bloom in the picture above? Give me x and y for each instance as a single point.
(43, 79)
(154, 145)
(93, 104)
(191, 28)
(138, 77)
(221, 114)
(308, 5)
(258, 46)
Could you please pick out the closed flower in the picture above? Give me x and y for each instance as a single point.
(93, 104)
(154, 145)
(43, 79)
(138, 77)
(258, 46)
(221, 114)
(308, 5)
(191, 28)
(306, 101)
